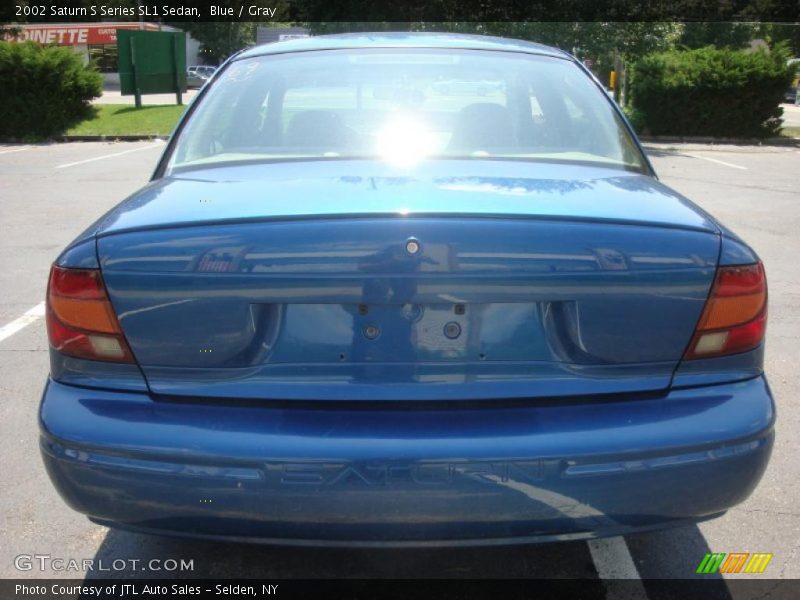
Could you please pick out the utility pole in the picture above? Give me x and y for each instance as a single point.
(618, 79)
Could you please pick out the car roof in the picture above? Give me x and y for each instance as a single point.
(452, 41)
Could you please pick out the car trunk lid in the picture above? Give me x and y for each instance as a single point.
(258, 282)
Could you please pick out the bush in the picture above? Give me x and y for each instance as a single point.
(45, 90)
(711, 91)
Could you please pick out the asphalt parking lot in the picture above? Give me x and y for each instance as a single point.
(49, 193)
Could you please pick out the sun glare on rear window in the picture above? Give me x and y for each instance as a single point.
(404, 106)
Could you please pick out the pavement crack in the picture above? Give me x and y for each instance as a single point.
(23, 350)
(729, 184)
(770, 512)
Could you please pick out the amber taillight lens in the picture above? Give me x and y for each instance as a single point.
(735, 316)
(80, 319)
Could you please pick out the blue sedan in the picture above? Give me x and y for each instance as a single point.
(401, 289)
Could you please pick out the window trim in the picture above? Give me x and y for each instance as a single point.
(163, 163)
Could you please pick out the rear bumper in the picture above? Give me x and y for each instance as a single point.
(376, 476)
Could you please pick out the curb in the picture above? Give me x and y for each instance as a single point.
(109, 138)
(674, 139)
(655, 139)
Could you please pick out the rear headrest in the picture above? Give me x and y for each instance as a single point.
(317, 129)
(482, 126)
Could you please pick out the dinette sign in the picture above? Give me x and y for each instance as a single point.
(52, 35)
(71, 35)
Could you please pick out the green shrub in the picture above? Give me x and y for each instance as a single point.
(45, 89)
(710, 91)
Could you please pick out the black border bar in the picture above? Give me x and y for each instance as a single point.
(400, 12)
(405, 589)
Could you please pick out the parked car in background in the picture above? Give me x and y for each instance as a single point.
(340, 317)
(794, 89)
(195, 79)
(205, 70)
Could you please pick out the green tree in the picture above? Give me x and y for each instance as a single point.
(219, 40)
(45, 88)
(719, 34)
(789, 33)
(9, 32)
(602, 42)
(710, 91)
(588, 39)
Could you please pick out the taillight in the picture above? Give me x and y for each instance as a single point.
(735, 316)
(80, 319)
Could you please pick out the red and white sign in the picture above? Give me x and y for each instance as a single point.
(73, 35)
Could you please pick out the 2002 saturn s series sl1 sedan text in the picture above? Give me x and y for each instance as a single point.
(405, 289)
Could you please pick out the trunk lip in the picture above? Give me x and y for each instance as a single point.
(239, 194)
(364, 216)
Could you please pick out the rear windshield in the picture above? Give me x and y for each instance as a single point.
(404, 106)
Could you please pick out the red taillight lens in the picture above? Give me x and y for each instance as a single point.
(735, 316)
(80, 319)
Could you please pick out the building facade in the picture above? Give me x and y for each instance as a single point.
(96, 42)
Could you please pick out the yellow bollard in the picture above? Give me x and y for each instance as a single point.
(612, 80)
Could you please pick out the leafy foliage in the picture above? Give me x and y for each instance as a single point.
(599, 41)
(710, 92)
(739, 35)
(220, 39)
(590, 39)
(45, 89)
(554, 11)
(722, 35)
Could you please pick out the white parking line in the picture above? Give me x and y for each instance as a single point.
(16, 325)
(20, 149)
(105, 156)
(612, 558)
(614, 562)
(719, 162)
